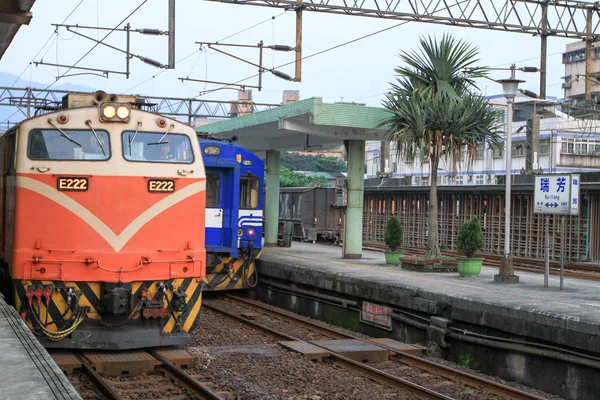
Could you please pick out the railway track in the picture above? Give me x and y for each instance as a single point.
(174, 384)
(457, 377)
(589, 272)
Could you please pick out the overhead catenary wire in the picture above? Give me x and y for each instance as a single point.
(96, 45)
(200, 49)
(330, 48)
(52, 35)
(317, 53)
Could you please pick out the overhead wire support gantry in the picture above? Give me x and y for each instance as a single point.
(544, 18)
(565, 18)
(33, 101)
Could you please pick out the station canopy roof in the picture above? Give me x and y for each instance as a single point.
(306, 125)
(13, 14)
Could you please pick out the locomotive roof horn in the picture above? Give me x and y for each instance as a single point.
(100, 97)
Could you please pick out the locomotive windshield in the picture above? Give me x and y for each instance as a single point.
(249, 187)
(81, 144)
(145, 146)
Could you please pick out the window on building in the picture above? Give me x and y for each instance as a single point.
(459, 179)
(575, 56)
(498, 151)
(518, 150)
(544, 148)
(425, 181)
(584, 147)
(501, 117)
(479, 152)
(395, 167)
(479, 179)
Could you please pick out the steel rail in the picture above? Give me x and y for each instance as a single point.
(203, 391)
(96, 379)
(408, 359)
(380, 376)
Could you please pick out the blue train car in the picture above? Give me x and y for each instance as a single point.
(234, 214)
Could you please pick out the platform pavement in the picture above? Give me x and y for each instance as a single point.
(26, 369)
(569, 317)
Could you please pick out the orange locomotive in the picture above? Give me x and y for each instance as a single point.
(102, 229)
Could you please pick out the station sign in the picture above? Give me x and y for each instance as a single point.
(375, 314)
(557, 194)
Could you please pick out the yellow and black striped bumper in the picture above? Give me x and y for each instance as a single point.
(101, 330)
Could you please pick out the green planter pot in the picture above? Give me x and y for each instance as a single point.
(393, 257)
(469, 266)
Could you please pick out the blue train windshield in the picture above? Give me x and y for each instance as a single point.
(249, 191)
(213, 190)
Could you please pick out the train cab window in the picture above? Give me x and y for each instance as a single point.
(68, 145)
(213, 184)
(249, 187)
(146, 146)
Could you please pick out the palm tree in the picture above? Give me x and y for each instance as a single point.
(435, 113)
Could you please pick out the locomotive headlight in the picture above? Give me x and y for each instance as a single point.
(123, 112)
(109, 112)
(212, 150)
(240, 232)
(115, 112)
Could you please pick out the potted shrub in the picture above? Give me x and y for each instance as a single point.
(468, 241)
(393, 238)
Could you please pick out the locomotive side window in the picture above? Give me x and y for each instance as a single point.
(68, 145)
(157, 147)
(249, 187)
(9, 153)
(213, 182)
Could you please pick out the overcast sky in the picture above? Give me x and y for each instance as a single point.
(359, 72)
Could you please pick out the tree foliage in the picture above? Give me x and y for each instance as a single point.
(434, 112)
(470, 237)
(394, 233)
(289, 178)
(301, 162)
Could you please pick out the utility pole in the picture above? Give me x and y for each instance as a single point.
(384, 158)
(171, 62)
(544, 50)
(298, 77)
(588, 59)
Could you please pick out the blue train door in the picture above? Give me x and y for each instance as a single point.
(218, 207)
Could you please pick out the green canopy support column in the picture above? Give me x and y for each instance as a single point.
(272, 200)
(354, 211)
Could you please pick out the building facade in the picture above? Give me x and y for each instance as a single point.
(574, 60)
(566, 145)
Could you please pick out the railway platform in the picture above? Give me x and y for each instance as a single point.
(26, 369)
(520, 328)
(569, 317)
